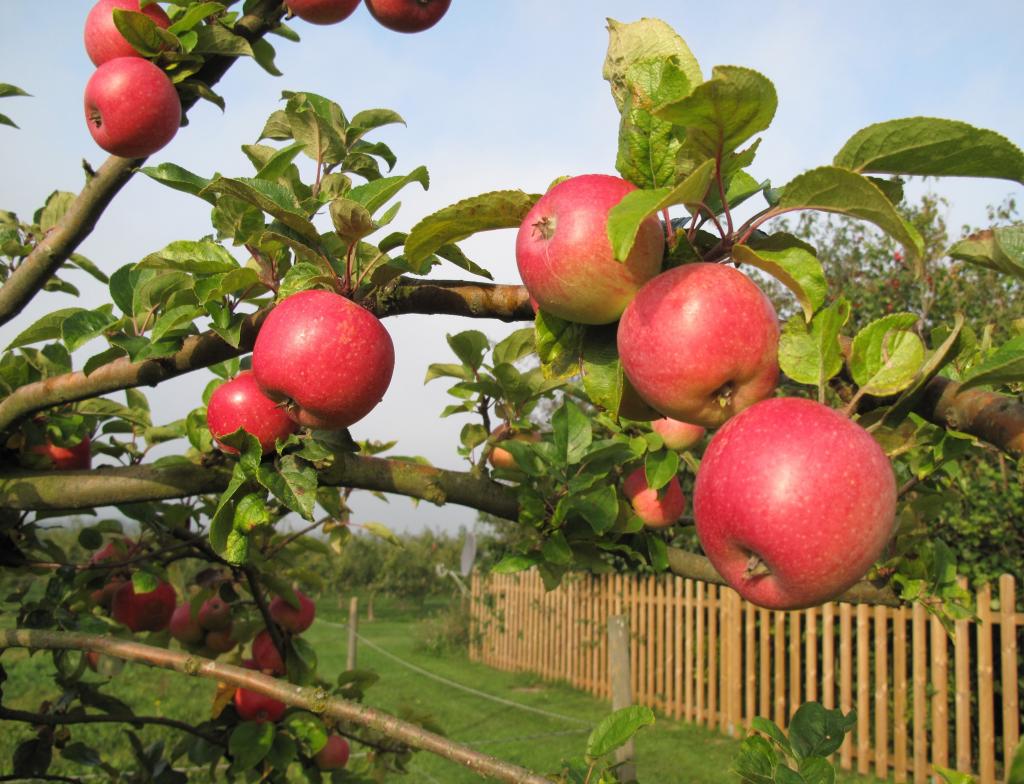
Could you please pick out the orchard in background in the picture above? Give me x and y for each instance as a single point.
(583, 429)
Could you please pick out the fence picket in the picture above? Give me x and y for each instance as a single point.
(700, 653)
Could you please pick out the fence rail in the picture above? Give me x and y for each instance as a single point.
(700, 653)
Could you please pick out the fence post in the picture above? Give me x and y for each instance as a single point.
(622, 692)
(353, 629)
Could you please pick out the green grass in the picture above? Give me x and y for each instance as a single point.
(668, 752)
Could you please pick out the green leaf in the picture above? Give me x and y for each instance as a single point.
(928, 146)
(792, 263)
(511, 564)
(145, 36)
(599, 507)
(1016, 774)
(369, 120)
(815, 731)
(810, 353)
(756, 761)
(56, 205)
(495, 210)
(661, 467)
(250, 743)
(626, 217)
(300, 277)
(195, 258)
(279, 163)
(617, 728)
(951, 776)
(454, 254)
(886, 355)
(381, 531)
(215, 38)
(648, 39)
(559, 345)
(221, 522)
(272, 198)
(1004, 366)
(5, 120)
(1001, 249)
(658, 552)
(817, 770)
(942, 356)
(81, 327)
(515, 346)
(469, 347)
(771, 729)
(80, 261)
(294, 484)
(832, 189)
(352, 221)
(319, 124)
(725, 111)
(556, 549)
(571, 432)
(374, 195)
(10, 91)
(603, 378)
(144, 582)
(308, 730)
(194, 15)
(46, 328)
(648, 147)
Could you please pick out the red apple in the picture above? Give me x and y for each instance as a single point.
(103, 41)
(240, 403)
(215, 614)
(92, 660)
(253, 706)
(408, 16)
(329, 358)
(333, 755)
(183, 627)
(502, 458)
(657, 508)
(322, 12)
(700, 343)
(793, 503)
(290, 619)
(265, 654)
(131, 107)
(677, 435)
(144, 612)
(62, 458)
(565, 257)
(220, 641)
(116, 550)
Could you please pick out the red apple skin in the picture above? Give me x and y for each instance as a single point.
(408, 16)
(104, 596)
(329, 357)
(322, 12)
(240, 403)
(253, 706)
(116, 550)
(144, 612)
(103, 41)
(565, 257)
(183, 627)
(66, 458)
(677, 435)
(214, 615)
(502, 458)
(806, 490)
(266, 655)
(658, 509)
(131, 107)
(700, 343)
(333, 755)
(92, 660)
(220, 641)
(290, 619)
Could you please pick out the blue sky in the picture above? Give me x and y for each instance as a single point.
(503, 95)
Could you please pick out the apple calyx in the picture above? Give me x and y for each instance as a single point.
(545, 227)
(724, 395)
(756, 568)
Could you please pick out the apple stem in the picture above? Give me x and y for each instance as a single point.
(755, 568)
(670, 236)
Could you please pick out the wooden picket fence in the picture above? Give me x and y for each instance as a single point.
(699, 653)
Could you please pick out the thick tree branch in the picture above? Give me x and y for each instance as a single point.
(480, 300)
(697, 567)
(71, 490)
(316, 700)
(81, 217)
(61, 719)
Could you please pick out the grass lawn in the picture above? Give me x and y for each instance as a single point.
(669, 752)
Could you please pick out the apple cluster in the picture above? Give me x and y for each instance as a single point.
(320, 361)
(140, 611)
(207, 630)
(403, 16)
(793, 501)
(131, 106)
